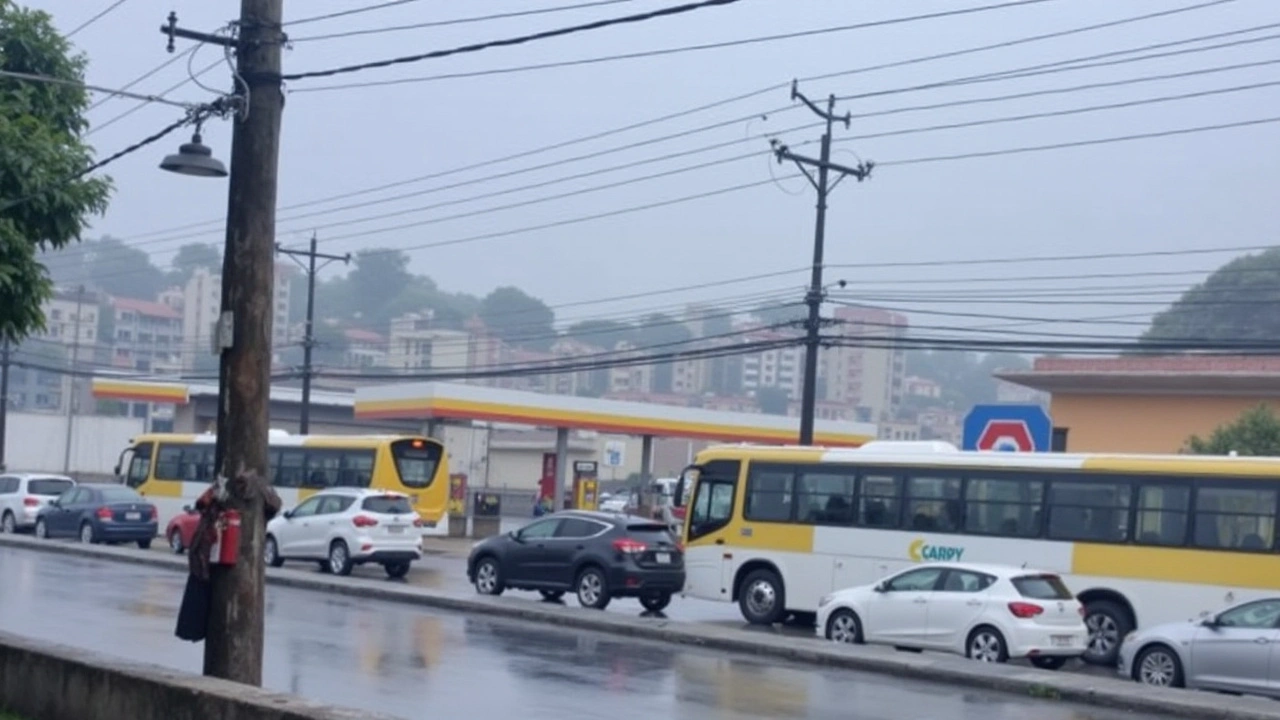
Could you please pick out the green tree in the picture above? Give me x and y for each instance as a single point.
(1236, 302)
(111, 266)
(605, 334)
(1256, 432)
(41, 149)
(518, 318)
(196, 256)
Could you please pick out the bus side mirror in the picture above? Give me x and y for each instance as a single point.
(677, 500)
(116, 471)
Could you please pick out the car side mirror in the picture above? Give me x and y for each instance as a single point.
(55, 503)
(515, 536)
(188, 509)
(288, 514)
(1211, 622)
(881, 587)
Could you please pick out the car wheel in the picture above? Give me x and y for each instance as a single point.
(8, 524)
(1158, 665)
(396, 570)
(1108, 623)
(42, 530)
(762, 599)
(986, 644)
(844, 627)
(1048, 662)
(593, 590)
(488, 577)
(144, 544)
(86, 534)
(339, 558)
(271, 553)
(551, 595)
(175, 541)
(655, 602)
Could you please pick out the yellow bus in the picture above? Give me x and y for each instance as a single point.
(1141, 539)
(172, 470)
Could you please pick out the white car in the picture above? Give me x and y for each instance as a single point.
(23, 494)
(344, 527)
(984, 612)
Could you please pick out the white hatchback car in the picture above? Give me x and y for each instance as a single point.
(984, 612)
(344, 527)
(23, 494)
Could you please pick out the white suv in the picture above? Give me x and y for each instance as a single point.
(344, 527)
(23, 494)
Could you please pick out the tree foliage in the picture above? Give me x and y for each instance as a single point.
(1236, 302)
(192, 257)
(657, 334)
(1256, 432)
(518, 318)
(41, 150)
(109, 265)
(967, 378)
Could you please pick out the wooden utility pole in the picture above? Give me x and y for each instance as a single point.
(813, 324)
(4, 399)
(233, 647)
(309, 338)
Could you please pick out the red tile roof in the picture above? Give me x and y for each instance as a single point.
(143, 307)
(1163, 364)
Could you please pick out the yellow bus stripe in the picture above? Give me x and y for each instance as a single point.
(1196, 567)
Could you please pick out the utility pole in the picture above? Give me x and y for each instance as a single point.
(309, 338)
(815, 296)
(233, 648)
(4, 399)
(72, 381)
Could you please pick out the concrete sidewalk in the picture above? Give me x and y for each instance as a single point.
(1109, 692)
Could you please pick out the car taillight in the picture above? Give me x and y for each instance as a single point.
(629, 546)
(30, 502)
(153, 510)
(364, 521)
(104, 513)
(1080, 609)
(1025, 610)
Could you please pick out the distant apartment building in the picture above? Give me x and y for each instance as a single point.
(941, 424)
(202, 303)
(148, 336)
(70, 339)
(415, 343)
(781, 367)
(867, 370)
(365, 349)
(915, 386)
(587, 381)
(630, 378)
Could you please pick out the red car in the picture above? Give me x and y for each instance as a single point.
(181, 529)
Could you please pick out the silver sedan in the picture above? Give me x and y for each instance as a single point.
(1236, 650)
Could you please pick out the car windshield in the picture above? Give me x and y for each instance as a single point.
(51, 487)
(116, 494)
(387, 505)
(1042, 587)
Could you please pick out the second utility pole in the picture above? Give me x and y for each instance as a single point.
(813, 325)
(309, 338)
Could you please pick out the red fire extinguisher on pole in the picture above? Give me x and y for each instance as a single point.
(226, 541)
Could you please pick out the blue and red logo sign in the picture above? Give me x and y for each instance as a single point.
(1008, 428)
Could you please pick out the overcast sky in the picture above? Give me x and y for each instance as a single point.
(1194, 191)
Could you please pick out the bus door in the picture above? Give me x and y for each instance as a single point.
(709, 551)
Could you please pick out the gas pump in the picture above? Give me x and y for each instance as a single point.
(586, 486)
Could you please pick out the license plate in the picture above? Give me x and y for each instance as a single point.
(396, 529)
(1061, 640)
(663, 558)
(133, 516)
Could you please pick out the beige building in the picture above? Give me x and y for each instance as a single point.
(781, 368)
(415, 344)
(871, 375)
(202, 303)
(148, 336)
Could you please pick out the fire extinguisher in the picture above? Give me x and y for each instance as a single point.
(226, 540)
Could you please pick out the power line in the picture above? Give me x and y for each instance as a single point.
(94, 19)
(1080, 143)
(345, 13)
(720, 103)
(675, 50)
(47, 79)
(457, 21)
(522, 39)
(163, 93)
(189, 51)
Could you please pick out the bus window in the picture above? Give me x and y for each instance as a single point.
(139, 465)
(1162, 514)
(825, 497)
(1235, 518)
(322, 468)
(1090, 511)
(416, 461)
(933, 503)
(290, 466)
(1003, 507)
(712, 501)
(185, 463)
(769, 497)
(880, 505)
(357, 468)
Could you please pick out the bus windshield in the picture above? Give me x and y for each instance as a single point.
(416, 461)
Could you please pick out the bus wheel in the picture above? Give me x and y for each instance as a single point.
(762, 599)
(1108, 624)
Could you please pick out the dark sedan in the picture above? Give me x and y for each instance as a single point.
(99, 513)
(597, 555)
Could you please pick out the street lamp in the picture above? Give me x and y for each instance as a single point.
(194, 158)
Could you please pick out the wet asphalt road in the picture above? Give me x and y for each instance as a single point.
(416, 664)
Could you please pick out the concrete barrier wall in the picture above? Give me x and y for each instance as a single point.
(41, 681)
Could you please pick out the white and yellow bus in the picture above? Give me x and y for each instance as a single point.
(1142, 540)
(172, 470)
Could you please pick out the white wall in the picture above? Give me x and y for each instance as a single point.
(37, 441)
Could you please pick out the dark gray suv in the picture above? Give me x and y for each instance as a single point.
(596, 555)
